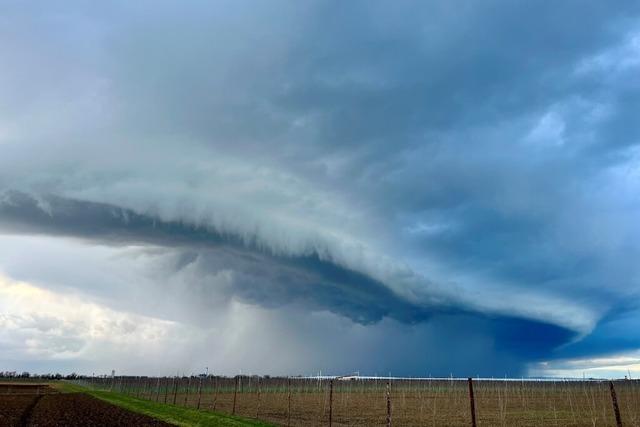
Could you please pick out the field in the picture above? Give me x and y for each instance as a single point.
(359, 402)
(26, 403)
(43, 406)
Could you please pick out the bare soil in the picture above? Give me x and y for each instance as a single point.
(25, 388)
(28, 406)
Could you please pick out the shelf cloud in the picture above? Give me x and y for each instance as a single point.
(231, 175)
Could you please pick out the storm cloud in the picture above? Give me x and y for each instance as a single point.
(422, 174)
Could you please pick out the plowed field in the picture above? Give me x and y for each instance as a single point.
(42, 406)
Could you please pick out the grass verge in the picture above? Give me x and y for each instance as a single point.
(169, 413)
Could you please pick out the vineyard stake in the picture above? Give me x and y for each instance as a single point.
(166, 390)
(614, 400)
(289, 403)
(175, 389)
(235, 394)
(473, 404)
(389, 403)
(330, 402)
(215, 396)
(199, 392)
(186, 396)
(173, 383)
(259, 396)
(138, 388)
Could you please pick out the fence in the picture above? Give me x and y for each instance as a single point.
(398, 402)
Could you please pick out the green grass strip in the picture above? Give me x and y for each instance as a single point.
(169, 413)
(66, 387)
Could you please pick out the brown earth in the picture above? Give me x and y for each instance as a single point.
(13, 407)
(77, 410)
(25, 388)
(22, 406)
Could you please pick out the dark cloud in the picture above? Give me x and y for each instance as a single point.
(426, 163)
(264, 278)
(274, 282)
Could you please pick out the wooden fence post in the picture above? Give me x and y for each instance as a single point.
(166, 390)
(175, 389)
(330, 402)
(199, 392)
(186, 395)
(289, 402)
(389, 403)
(139, 384)
(259, 398)
(614, 400)
(473, 404)
(235, 394)
(215, 396)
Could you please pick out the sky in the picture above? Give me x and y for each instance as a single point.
(425, 188)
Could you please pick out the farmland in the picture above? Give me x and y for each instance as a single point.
(57, 404)
(367, 402)
(42, 405)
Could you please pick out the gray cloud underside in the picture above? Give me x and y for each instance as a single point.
(267, 280)
(488, 148)
(274, 281)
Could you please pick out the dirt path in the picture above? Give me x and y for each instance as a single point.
(26, 415)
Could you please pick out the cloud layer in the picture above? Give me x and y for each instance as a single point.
(422, 174)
